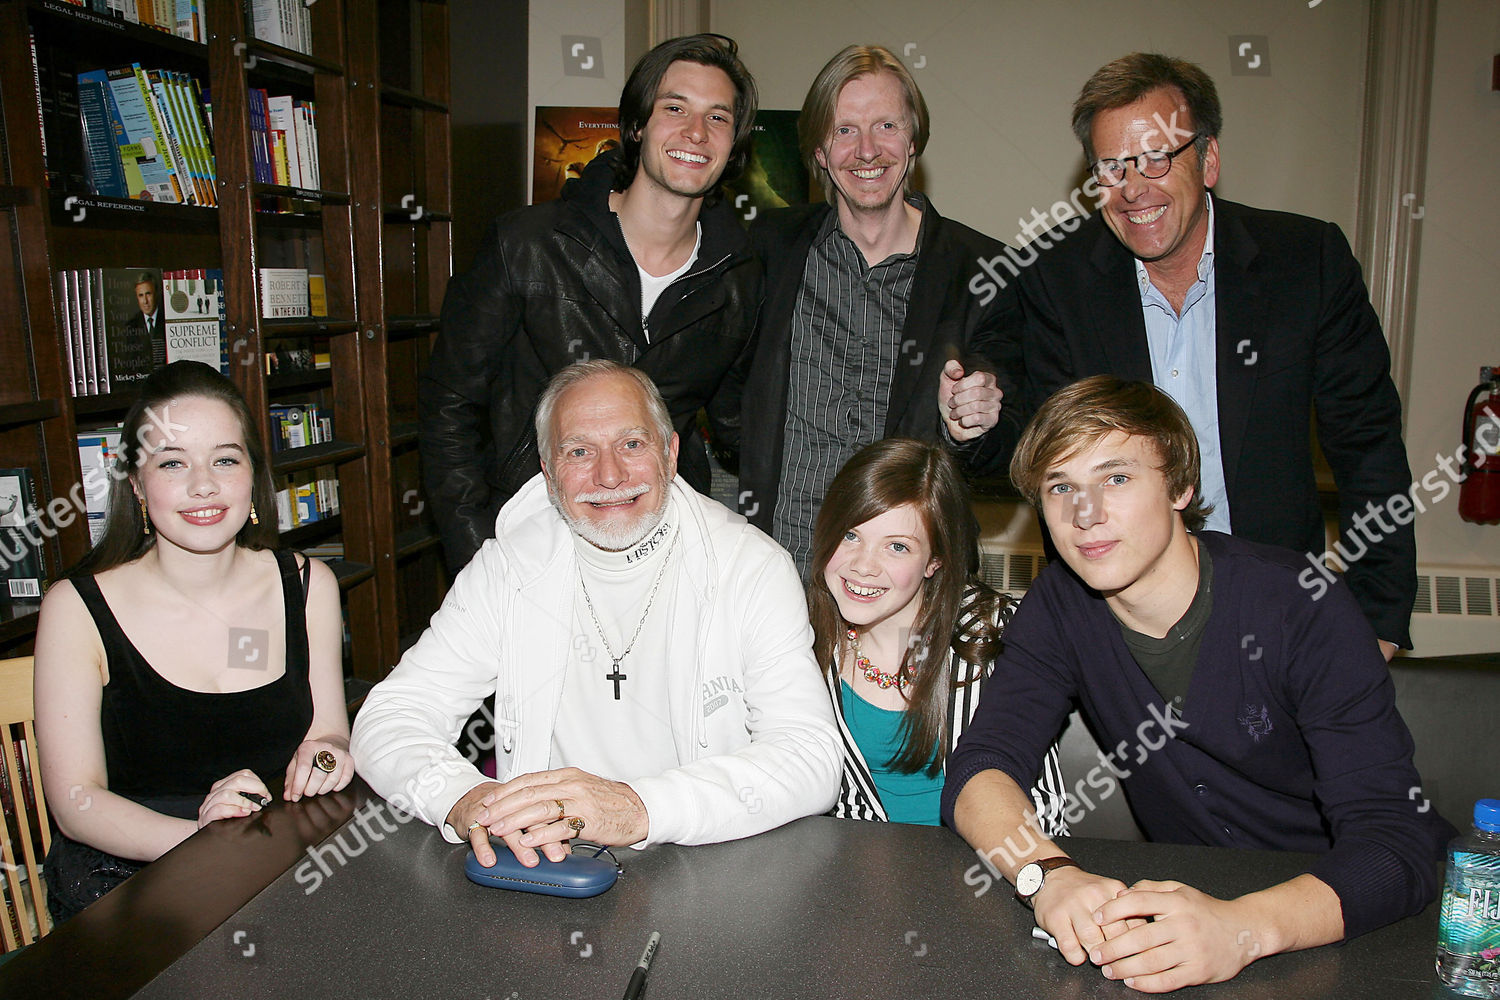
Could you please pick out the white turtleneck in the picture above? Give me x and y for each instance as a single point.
(592, 726)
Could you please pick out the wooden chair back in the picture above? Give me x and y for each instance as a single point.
(25, 835)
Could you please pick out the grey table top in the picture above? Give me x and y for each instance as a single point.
(820, 908)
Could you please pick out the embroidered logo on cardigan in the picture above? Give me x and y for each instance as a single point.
(1257, 721)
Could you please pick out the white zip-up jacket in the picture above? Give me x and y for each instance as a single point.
(750, 717)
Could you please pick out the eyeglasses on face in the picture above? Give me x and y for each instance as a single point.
(1151, 164)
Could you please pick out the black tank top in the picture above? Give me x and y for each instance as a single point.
(164, 740)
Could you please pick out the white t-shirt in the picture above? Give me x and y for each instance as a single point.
(631, 737)
(652, 286)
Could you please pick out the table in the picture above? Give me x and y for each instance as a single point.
(820, 908)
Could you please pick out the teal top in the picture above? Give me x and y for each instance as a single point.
(907, 798)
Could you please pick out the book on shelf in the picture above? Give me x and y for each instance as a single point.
(121, 324)
(284, 293)
(90, 314)
(158, 146)
(106, 171)
(284, 140)
(183, 18)
(97, 451)
(287, 23)
(298, 425)
(307, 497)
(295, 354)
(194, 307)
(133, 327)
(149, 172)
(20, 537)
(317, 295)
(72, 330)
(63, 155)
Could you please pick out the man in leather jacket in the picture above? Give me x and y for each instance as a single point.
(637, 263)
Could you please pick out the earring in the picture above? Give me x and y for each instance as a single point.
(145, 518)
(254, 517)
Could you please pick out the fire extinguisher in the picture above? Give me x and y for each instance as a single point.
(1479, 496)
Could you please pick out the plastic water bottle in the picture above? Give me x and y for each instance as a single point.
(1468, 952)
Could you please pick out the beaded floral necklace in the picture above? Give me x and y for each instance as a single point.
(880, 678)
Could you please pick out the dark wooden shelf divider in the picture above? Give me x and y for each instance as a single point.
(398, 65)
(33, 411)
(314, 455)
(304, 535)
(317, 378)
(415, 540)
(410, 99)
(404, 433)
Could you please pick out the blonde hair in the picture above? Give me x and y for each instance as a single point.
(816, 120)
(1077, 415)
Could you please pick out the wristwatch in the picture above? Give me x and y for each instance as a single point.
(1031, 877)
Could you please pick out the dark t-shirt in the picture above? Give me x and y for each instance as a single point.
(1168, 662)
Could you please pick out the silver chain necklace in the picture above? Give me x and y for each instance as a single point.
(614, 674)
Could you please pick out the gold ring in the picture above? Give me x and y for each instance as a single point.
(576, 824)
(475, 825)
(326, 761)
(561, 811)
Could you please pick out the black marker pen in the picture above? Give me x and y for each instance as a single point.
(638, 977)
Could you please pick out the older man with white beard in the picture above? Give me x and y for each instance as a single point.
(648, 650)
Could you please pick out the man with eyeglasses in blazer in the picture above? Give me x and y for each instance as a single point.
(1250, 319)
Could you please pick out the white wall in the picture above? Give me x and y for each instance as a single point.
(549, 81)
(1000, 78)
(1458, 282)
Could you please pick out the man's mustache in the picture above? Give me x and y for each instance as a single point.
(614, 496)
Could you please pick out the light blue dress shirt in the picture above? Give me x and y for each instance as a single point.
(1184, 366)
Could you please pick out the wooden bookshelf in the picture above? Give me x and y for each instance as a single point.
(398, 65)
(376, 68)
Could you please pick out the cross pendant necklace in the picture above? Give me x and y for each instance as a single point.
(614, 674)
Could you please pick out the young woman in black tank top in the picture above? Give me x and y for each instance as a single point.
(183, 664)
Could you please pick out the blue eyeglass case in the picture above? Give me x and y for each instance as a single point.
(576, 876)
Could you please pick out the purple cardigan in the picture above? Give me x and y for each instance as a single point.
(1289, 738)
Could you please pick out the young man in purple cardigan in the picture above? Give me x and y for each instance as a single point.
(1237, 709)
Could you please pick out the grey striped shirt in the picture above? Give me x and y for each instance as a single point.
(846, 339)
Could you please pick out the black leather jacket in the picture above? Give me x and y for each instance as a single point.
(553, 284)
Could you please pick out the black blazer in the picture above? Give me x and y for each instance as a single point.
(944, 319)
(1295, 334)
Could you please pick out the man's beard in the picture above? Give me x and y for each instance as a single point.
(613, 536)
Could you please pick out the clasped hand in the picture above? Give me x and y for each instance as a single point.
(969, 404)
(524, 813)
(1153, 936)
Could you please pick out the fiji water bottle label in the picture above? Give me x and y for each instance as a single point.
(1471, 913)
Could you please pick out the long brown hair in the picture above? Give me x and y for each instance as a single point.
(125, 538)
(882, 476)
